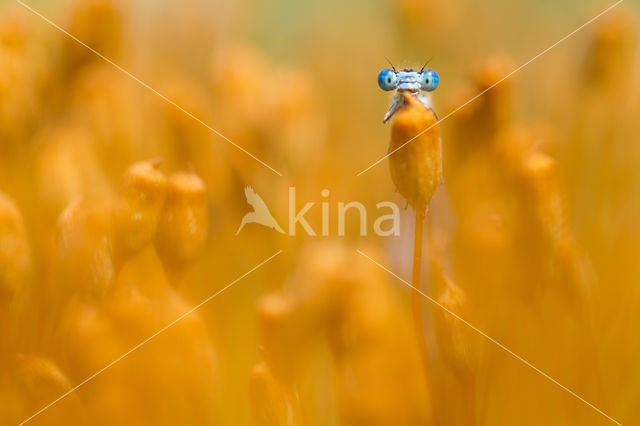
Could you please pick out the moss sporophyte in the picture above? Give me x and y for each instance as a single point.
(416, 167)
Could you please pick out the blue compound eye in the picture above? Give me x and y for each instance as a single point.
(429, 80)
(387, 79)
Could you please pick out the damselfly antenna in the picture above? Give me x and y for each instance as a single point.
(392, 67)
(425, 64)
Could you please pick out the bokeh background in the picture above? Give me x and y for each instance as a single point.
(118, 214)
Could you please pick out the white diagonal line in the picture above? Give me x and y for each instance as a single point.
(493, 85)
(35, 12)
(495, 342)
(190, 311)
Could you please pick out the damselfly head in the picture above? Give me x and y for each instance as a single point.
(410, 81)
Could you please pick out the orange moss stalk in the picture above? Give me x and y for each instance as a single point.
(416, 306)
(416, 171)
(182, 229)
(15, 267)
(341, 300)
(139, 207)
(460, 350)
(14, 249)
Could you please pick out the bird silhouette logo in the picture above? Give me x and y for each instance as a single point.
(260, 213)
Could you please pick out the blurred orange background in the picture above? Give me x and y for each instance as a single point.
(119, 212)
